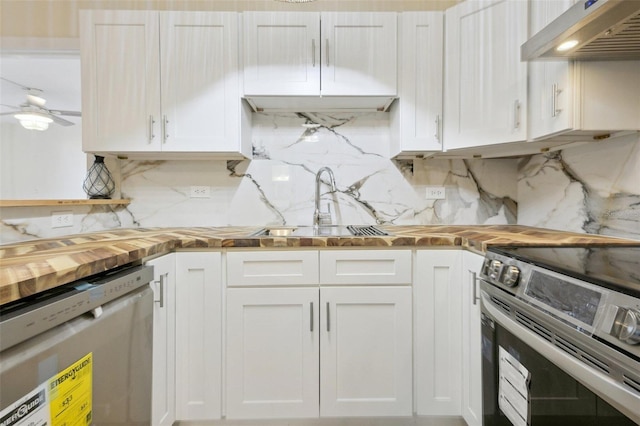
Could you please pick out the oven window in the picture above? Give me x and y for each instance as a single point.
(556, 398)
(573, 300)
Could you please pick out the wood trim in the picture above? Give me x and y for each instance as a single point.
(68, 202)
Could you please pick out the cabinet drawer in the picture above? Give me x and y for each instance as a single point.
(365, 267)
(272, 268)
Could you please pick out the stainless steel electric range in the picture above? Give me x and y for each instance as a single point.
(560, 336)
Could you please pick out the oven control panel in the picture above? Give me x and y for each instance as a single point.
(623, 323)
(584, 306)
(505, 273)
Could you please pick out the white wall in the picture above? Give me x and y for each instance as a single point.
(35, 164)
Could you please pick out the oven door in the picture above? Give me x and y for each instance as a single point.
(553, 396)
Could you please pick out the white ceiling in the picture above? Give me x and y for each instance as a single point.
(57, 76)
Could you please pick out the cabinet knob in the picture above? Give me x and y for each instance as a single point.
(630, 327)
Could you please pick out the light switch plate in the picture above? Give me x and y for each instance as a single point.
(436, 193)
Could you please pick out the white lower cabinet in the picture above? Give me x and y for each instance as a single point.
(438, 326)
(471, 340)
(198, 335)
(272, 352)
(163, 403)
(334, 350)
(365, 351)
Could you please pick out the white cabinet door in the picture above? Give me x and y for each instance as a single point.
(198, 335)
(163, 402)
(281, 53)
(120, 81)
(417, 114)
(272, 353)
(550, 90)
(161, 82)
(288, 53)
(365, 351)
(359, 53)
(438, 325)
(200, 83)
(471, 340)
(485, 82)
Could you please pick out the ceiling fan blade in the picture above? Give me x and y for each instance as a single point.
(67, 113)
(60, 121)
(9, 113)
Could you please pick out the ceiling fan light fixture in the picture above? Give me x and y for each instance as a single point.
(33, 121)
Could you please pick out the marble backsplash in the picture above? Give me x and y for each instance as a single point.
(591, 188)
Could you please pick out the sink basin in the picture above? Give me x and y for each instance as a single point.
(321, 231)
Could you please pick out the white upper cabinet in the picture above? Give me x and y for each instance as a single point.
(281, 53)
(550, 91)
(485, 82)
(577, 100)
(417, 114)
(309, 54)
(120, 63)
(359, 52)
(161, 82)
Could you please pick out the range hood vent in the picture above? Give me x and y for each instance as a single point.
(319, 103)
(604, 29)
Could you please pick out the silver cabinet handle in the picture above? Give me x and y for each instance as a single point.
(555, 91)
(437, 135)
(516, 118)
(311, 315)
(328, 322)
(327, 50)
(151, 123)
(165, 135)
(474, 281)
(313, 52)
(161, 282)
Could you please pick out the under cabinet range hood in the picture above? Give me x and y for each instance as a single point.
(599, 29)
(274, 104)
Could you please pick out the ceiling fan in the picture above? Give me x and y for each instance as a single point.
(33, 115)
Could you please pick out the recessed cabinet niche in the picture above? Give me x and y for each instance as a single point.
(161, 82)
(328, 53)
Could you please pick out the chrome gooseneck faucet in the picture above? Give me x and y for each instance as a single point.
(322, 217)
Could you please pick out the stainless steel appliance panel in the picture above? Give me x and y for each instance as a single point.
(120, 340)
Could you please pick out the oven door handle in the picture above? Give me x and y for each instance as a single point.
(626, 401)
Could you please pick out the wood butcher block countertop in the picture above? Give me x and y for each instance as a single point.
(30, 267)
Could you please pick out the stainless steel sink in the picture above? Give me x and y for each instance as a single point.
(320, 231)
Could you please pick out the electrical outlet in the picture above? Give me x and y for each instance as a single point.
(436, 193)
(61, 219)
(200, 192)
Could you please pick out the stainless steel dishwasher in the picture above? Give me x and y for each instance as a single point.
(79, 354)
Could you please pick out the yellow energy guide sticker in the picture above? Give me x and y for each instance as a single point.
(70, 394)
